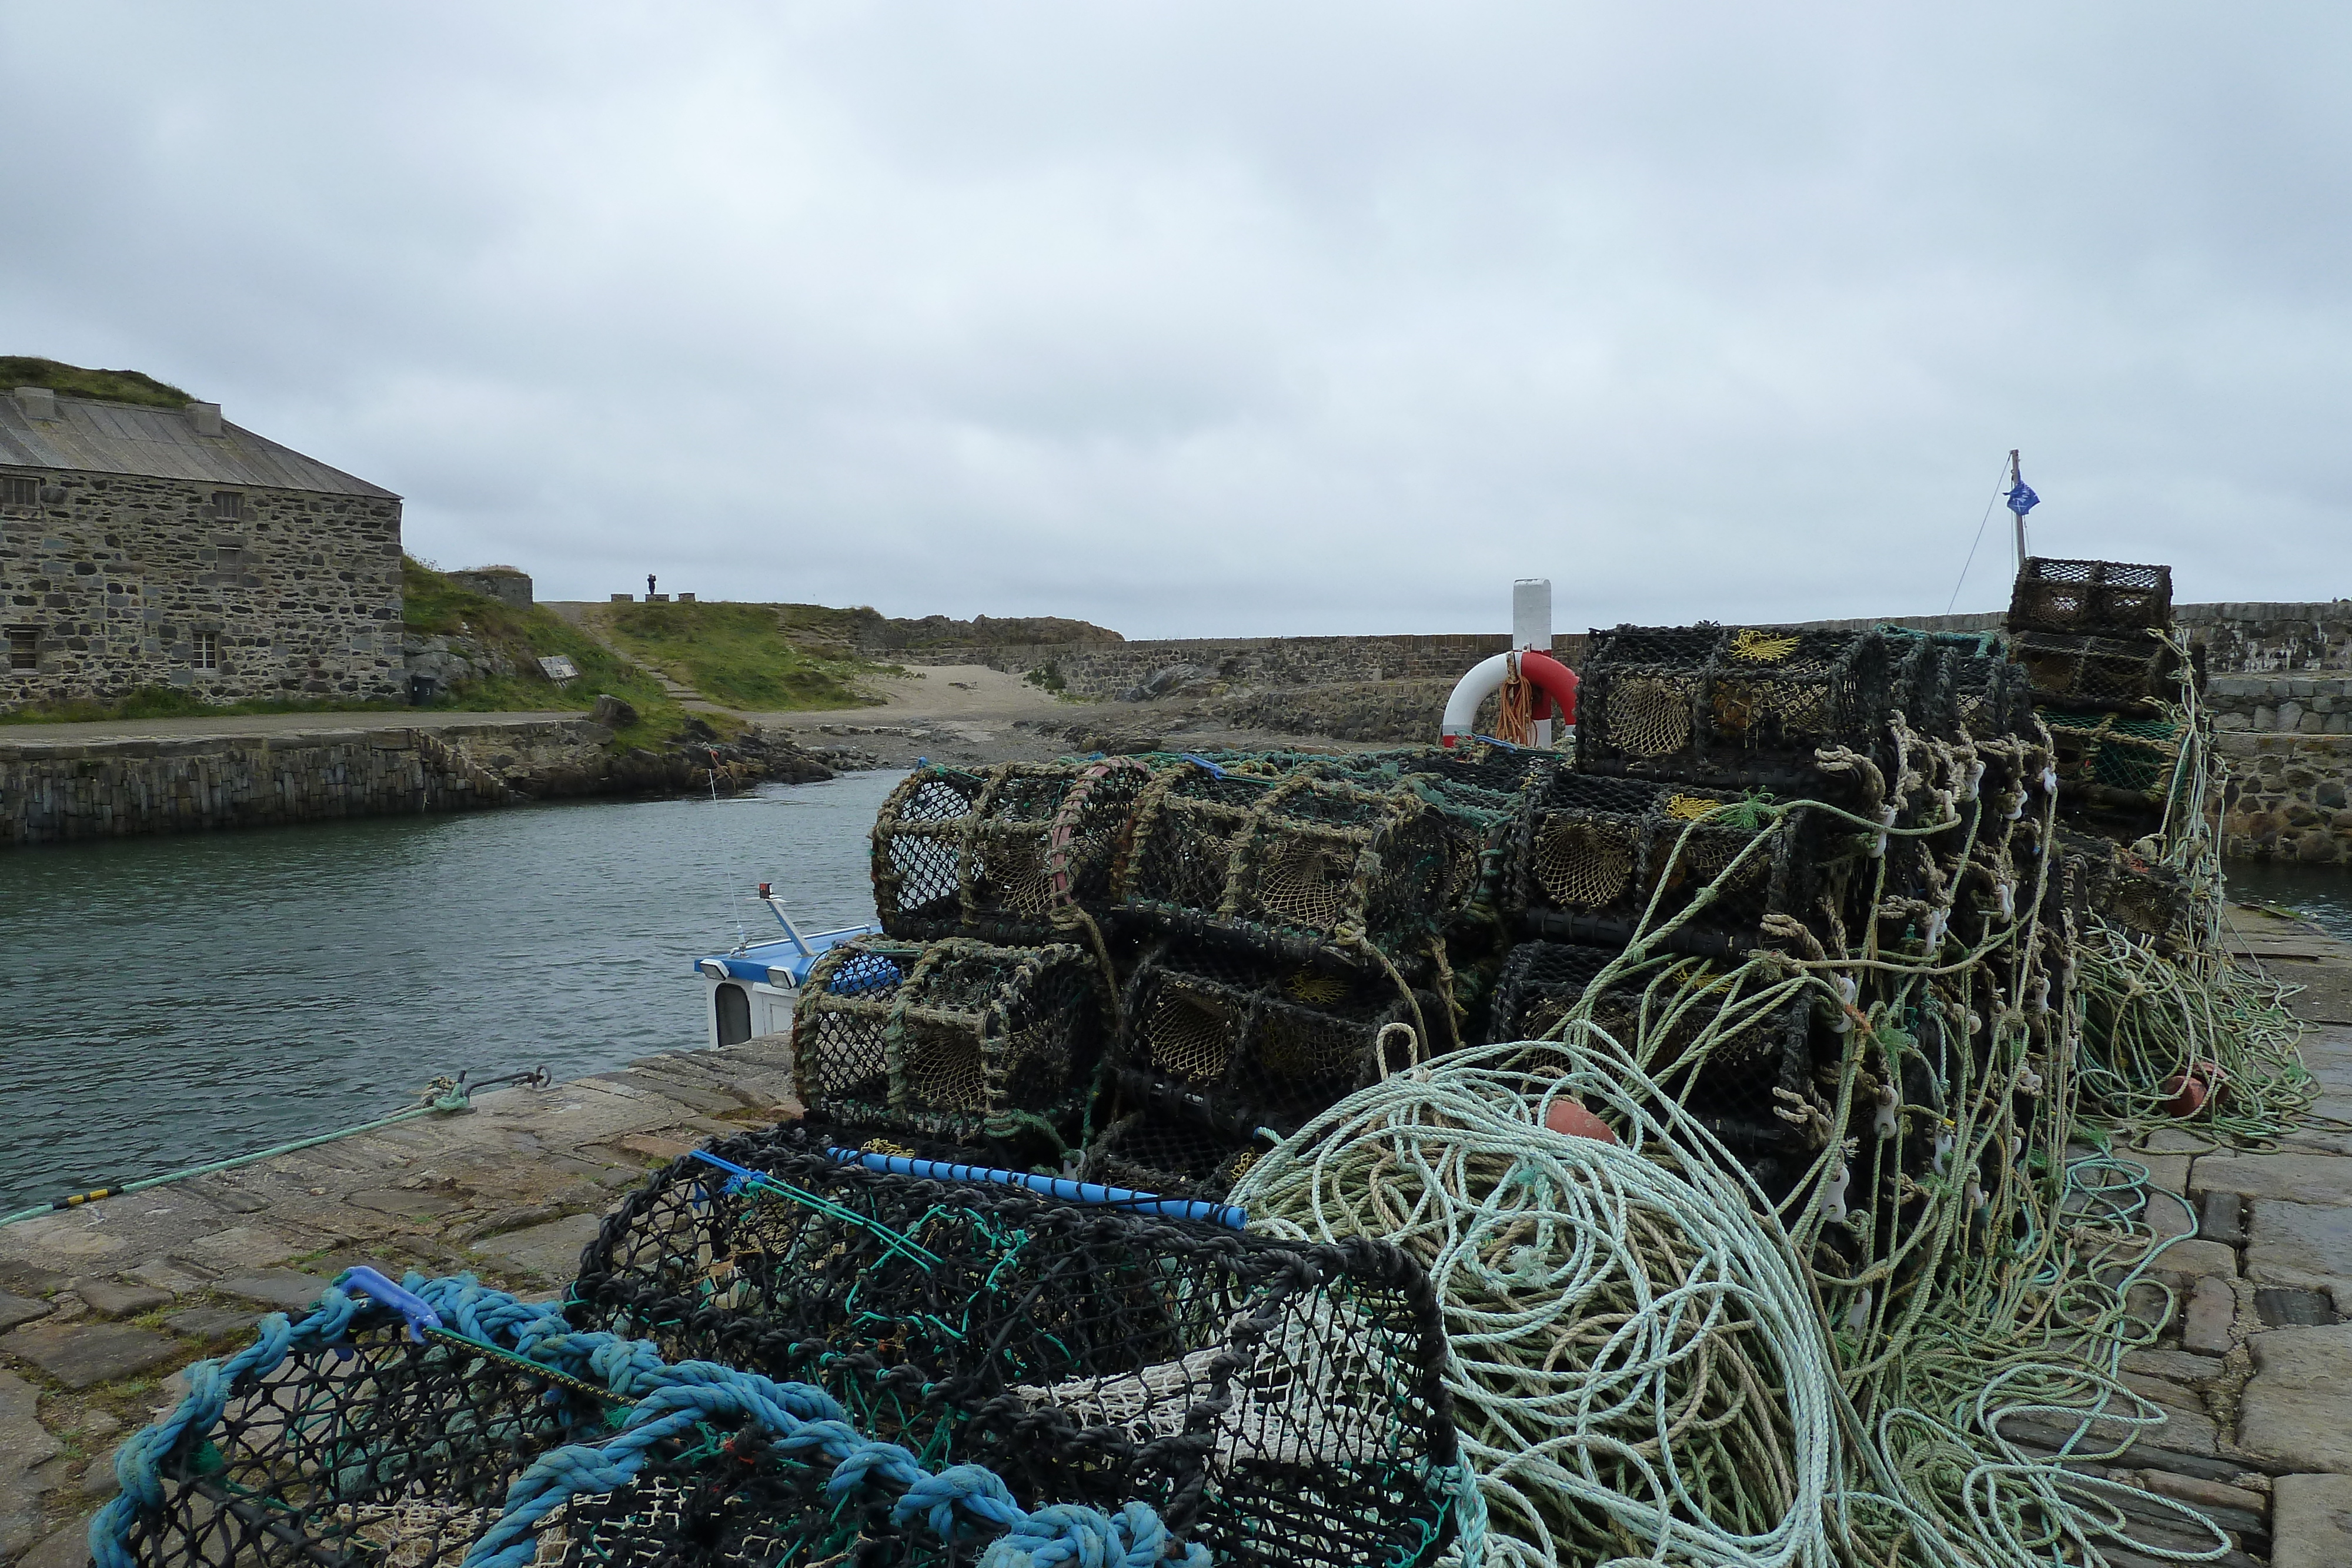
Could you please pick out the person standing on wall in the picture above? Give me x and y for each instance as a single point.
(649, 585)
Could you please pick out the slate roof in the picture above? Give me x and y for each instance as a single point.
(94, 437)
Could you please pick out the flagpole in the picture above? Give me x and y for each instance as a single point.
(2014, 481)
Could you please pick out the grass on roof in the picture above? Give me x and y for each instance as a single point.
(73, 380)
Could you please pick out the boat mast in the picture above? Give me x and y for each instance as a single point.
(2014, 481)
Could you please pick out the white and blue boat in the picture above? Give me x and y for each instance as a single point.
(752, 989)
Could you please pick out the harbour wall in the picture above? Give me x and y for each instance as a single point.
(54, 790)
(2239, 638)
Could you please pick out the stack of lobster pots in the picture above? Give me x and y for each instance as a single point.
(2092, 638)
(1826, 796)
(1139, 970)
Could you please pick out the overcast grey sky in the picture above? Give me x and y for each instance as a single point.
(1196, 318)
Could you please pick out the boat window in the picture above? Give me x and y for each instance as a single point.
(734, 1014)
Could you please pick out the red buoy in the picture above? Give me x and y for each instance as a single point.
(1571, 1119)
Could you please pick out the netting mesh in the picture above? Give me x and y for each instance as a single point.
(2127, 675)
(1730, 707)
(2090, 596)
(1277, 1404)
(954, 1038)
(1168, 1151)
(1598, 853)
(999, 854)
(2108, 754)
(1266, 1043)
(370, 1450)
(1297, 863)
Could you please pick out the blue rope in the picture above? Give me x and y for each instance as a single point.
(960, 1503)
(1056, 1188)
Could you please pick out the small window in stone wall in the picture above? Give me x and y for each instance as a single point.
(205, 654)
(24, 648)
(19, 490)
(229, 506)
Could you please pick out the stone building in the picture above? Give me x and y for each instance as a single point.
(164, 547)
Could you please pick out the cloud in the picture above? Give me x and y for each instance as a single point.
(1211, 319)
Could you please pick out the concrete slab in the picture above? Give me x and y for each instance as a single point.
(2206, 1319)
(551, 1249)
(16, 1310)
(109, 1299)
(24, 1446)
(240, 1248)
(2196, 1260)
(2311, 1521)
(2184, 1367)
(2286, 1177)
(2296, 1412)
(67, 1547)
(209, 1323)
(81, 1355)
(407, 1205)
(2304, 1244)
(275, 1290)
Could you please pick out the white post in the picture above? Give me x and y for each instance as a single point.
(1531, 628)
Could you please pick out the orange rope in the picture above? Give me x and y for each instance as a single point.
(1516, 722)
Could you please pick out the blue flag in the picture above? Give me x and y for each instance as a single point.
(2021, 498)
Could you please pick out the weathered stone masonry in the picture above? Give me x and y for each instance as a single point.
(114, 580)
(55, 791)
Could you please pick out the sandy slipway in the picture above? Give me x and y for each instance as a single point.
(101, 1305)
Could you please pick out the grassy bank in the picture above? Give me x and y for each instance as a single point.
(435, 604)
(742, 655)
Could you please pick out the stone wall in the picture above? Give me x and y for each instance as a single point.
(120, 578)
(2289, 797)
(504, 583)
(1128, 669)
(51, 791)
(2316, 703)
(54, 791)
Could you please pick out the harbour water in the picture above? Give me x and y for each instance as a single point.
(165, 1001)
(2321, 893)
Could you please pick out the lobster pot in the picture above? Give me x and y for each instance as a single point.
(1704, 704)
(997, 854)
(2098, 881)
(1295, 865)
(1277, 1404)
(1166, 1152)
(2090, 596)
(1727, 1084)
(2109, 760)
(1952, 685)
(1263, 1043)
(362, 1447)
(2138, 675)
(953, 1038)
(1596, 851)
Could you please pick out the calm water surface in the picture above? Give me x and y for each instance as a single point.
(170, 1001)
(2322, 893)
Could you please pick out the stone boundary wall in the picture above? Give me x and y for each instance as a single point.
(2289, 797)
(1107, 671)
(2239, 639)
(53, 791)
